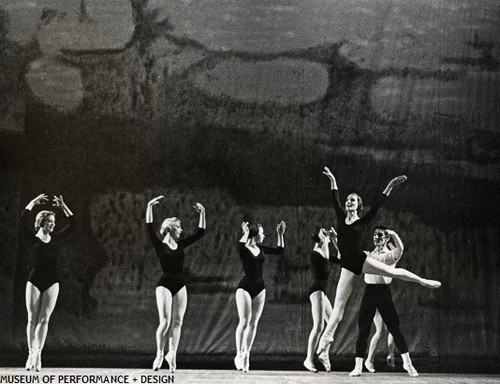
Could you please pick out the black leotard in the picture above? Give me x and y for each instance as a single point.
(43, 273)
(253, 267)
(350, 236)
(172, 260)
(320, 271)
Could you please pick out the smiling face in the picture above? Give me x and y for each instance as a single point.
(352, 203)
(175, 230)
(48, 224)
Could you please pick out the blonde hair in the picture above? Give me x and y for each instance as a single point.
(41, 218)
(167, 225)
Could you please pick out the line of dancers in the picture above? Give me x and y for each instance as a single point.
(42, 288)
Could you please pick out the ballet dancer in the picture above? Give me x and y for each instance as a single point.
(380, 331)
(377, 296)
(350, 229)
(251, 292)
(171, 293)
(42, 287)
(321, 308)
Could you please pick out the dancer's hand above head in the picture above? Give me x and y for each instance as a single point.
(40, 199)
(244, 228)
(281, 228)
(199, 208)
(58, 201)
(329, 174)
(397, 180)
(332, 233)
(156, 200)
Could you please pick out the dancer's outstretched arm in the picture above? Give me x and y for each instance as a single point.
(149, 209)
(396, 181)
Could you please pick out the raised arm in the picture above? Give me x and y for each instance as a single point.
(325, 240)
(246, 232)
(201, 210)
(280, 231)
(59, 203)
(335, 194)
(397, 241)
(333, 238)
(396, 181)
(26, 220)
(149, 209)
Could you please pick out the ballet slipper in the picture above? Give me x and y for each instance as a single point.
(324, 359)
(369, 366)
(430, 283)
(411, 370)
(170, 359)
(29, 363)
(309, 365)
(246, 361)
(390, 361)
(158, 361)
(37, 360)
(355, 372)
(238, 363)
(323, 344)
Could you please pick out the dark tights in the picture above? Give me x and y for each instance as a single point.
(378, 296)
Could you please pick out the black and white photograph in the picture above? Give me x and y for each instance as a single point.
(249, 191)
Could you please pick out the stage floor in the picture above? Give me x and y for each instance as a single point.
(190, 376)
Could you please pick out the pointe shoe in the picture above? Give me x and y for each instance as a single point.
(355, 373)
(29, 363)
(238, 363)
(411, 370)
(324, 359)
(431, 283)
(310, 366)
(246, 361)
(158, 361)
(37, 360)
(369, 366)
(390, 361)
(324, 342)
(170, 359)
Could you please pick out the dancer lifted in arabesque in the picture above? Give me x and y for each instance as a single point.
(171, 293)
(350, 229)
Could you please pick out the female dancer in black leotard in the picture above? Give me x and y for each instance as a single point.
(350, 230)
(321, 308)
(251, 292)
(171, 293)
(42, 287)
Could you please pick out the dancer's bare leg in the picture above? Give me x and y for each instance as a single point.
(317, 311)
(344, 289)
(244, 306)
(377, 336)
(33, 309)
(376, 267)
(257, 308)
(179, 305)
(324, 357)
(164, 304)
(48, 300)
